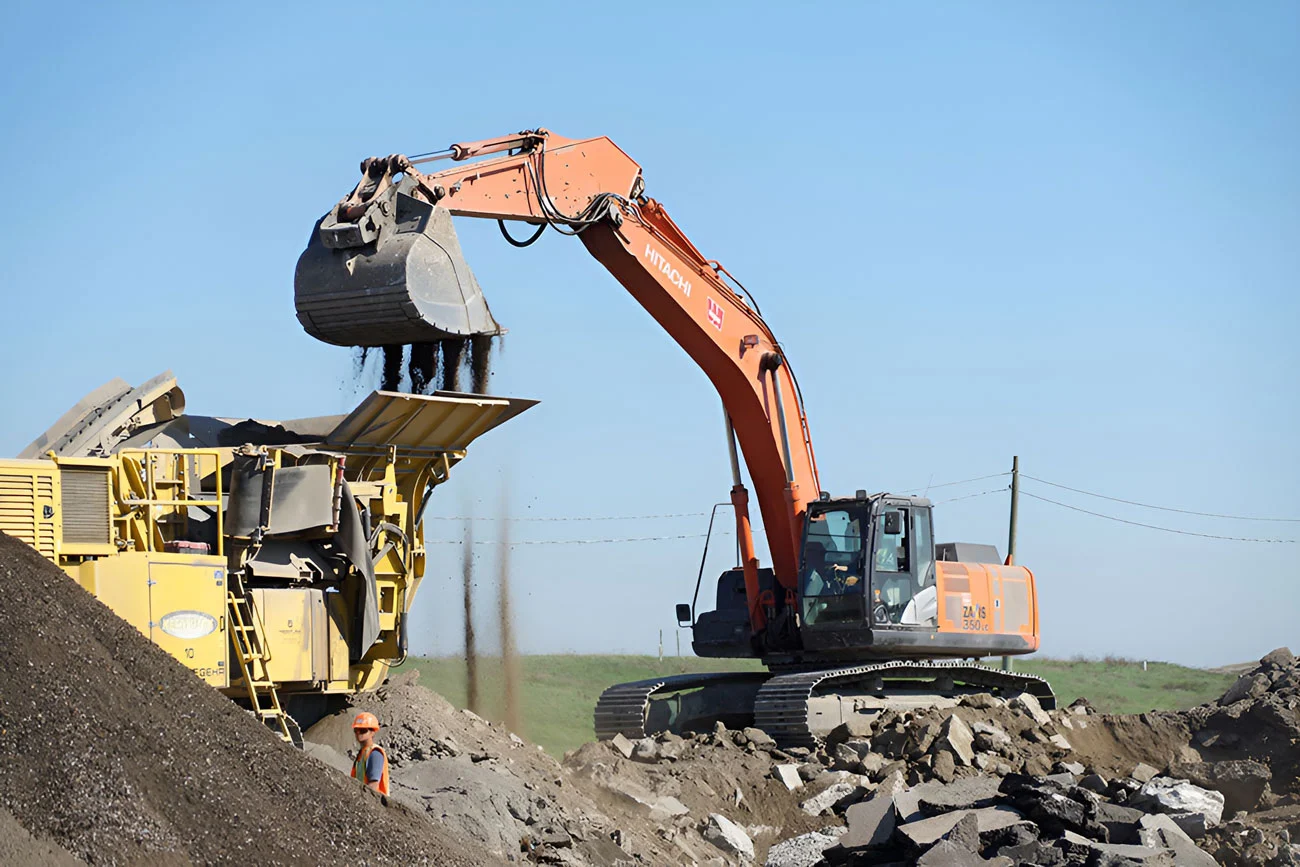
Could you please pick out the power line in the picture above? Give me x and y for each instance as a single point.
(1155, 527)
(567, 541)
(961, 482)
(1161, 508)
(969, 496)
(570, 517)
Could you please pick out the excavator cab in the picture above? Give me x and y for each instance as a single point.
(868, 565)
(384, 267)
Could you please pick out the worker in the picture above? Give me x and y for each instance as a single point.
(371, 766)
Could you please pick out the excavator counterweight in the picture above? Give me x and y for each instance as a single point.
(392, 274)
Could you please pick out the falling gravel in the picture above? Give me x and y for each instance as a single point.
(455, 364)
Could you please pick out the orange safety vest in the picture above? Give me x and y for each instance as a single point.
(359, 768)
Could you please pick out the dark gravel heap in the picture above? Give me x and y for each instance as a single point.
(118, 754)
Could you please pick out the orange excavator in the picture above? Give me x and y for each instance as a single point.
(858, 609)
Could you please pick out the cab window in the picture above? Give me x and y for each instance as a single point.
(832, 579)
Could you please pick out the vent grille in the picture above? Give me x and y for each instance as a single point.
(86, 519)
(21, 515)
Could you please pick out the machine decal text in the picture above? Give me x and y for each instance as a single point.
(659, 261)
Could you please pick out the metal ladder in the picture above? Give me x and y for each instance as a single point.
(250, 648)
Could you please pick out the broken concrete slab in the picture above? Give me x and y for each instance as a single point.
(789, 776)
(1168, 795)
(856, 727)
(1060, 743)
(1161, 831)
(968, 793)
(727, 836)
(806, 850)
(622, 744)
(833, 796)
(944, 767)
(1095, 783)
(870, 824)
(844, 758)
(1029, 704)
(666, 808)
(645, 750)
(1143, 773)
(1193, 824)
(1241, 782)
(957, 738)
(1117, 853)
(993, 734)
(908, 801)
(872, 764)
(1034, 852)
(1120, 822)
(946, 854)
(926, 832)
(759, 738)
(965, 834)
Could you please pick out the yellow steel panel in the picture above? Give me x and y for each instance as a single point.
(337, 632)
(121, 583)
(187, 611)
(28, 511)
(437, 421)
(288, 625)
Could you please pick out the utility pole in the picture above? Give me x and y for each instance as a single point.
(1011, 530)
(661, 645)
(1015, 508)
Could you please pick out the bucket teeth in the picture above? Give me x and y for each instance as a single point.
(394, 275)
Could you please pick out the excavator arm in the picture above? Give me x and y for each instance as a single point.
(592, 189)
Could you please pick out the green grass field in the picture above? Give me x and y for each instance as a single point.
(559, 692)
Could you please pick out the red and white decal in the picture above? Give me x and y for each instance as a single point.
(715, 314)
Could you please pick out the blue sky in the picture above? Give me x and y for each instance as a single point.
(1065, 231)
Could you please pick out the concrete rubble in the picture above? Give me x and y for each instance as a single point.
(987, 781)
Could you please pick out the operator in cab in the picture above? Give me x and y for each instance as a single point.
(371, 765)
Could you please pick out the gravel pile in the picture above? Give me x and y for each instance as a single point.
(112, 751)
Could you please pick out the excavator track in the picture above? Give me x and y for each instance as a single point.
(782, 706)
(622, 708)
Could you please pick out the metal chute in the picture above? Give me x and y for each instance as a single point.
(391, 274)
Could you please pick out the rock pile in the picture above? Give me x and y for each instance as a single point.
(1000, 782)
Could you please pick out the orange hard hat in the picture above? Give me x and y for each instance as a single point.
(365, 720)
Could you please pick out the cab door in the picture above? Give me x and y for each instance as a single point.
(902, 566)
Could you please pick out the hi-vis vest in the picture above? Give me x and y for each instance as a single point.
(359, 768)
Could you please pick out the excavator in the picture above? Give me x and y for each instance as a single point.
(858, 608)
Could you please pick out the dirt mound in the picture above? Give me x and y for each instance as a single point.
(480, 779)
(118, 754)
(597, 808)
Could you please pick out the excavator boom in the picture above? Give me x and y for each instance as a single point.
(384, 267)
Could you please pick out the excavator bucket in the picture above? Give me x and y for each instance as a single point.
(394, 274)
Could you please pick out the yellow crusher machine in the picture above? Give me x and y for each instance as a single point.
(276, 560)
